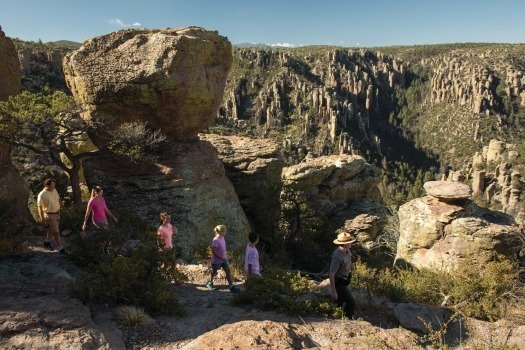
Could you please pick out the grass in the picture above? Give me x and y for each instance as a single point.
(133, 316)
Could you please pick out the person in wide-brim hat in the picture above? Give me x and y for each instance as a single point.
(344, 238)
(341, 268)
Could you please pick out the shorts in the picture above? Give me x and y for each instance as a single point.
(218, 266)
(103, 224)
(53, 221)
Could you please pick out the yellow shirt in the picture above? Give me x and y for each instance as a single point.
(49, 201)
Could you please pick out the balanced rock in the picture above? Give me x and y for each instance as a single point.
(254, 168)
(13, 193)
(448, 191)
(439, 235)
(173, 79)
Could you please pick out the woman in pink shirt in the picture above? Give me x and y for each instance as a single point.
(166, 231)
(97, 206)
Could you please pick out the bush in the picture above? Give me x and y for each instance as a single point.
(125, 265)
(482, 293)
(286, 293)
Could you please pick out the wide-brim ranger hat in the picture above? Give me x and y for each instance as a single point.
(345, 238)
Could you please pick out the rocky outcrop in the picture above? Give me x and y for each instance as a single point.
(188, 181)
(173, 79)
(342, 188)
(36, 311)
(254, 167)
(439, 235)
(303, 334)
(13, 193)
(42, 68)
(504, 184)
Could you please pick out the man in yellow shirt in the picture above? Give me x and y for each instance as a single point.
(49, 205)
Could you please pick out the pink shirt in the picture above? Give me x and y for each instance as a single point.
(220, 249)
(166, 232)
(252, 257)
(97, 204)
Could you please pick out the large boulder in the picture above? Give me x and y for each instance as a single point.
(448, 191)
(254, 167)
(439, 235)
(188, 181)
(13, 193)
(173, 79)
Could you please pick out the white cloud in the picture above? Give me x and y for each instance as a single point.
(120, 23)
(282, 45)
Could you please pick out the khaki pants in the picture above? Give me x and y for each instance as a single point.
(52, 221)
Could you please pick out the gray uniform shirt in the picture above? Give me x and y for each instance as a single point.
(341, 264)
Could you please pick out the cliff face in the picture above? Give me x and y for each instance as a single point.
(13, 193)
(445, 100)
(326, 98)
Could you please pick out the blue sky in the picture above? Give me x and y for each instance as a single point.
(294, 23)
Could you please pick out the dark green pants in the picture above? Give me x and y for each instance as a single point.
(344, 298)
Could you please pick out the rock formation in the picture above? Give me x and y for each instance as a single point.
(36, 311)
(438, 234)
(309, 334)
(173, 79)
(254, 167)
(188, 181)
(13, 193)
(342, 188)
(337, 90)
(41, 68)
(504, 184)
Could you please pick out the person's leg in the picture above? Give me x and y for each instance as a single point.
(53, 221)
(344, 296)
(226, 269)
(213, 273)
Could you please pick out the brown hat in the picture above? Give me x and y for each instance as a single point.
(344, 238)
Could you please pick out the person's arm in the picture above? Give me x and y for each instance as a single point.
(41, 214)
(106, 209)
(88, 211)
(214, 252)
(331, 276)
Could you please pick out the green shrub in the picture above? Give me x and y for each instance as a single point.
(478, 292)
(125, 265)
(286, 293)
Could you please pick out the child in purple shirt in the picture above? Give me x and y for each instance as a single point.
(251, 259)
(219, 258)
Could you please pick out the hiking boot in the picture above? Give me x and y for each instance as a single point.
(48, 246)
(62, 251)
(234, 289)
(210, 286)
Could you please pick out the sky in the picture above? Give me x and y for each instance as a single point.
(289, 23)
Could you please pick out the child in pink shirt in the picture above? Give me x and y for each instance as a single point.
(166, 231)
(98, 208)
